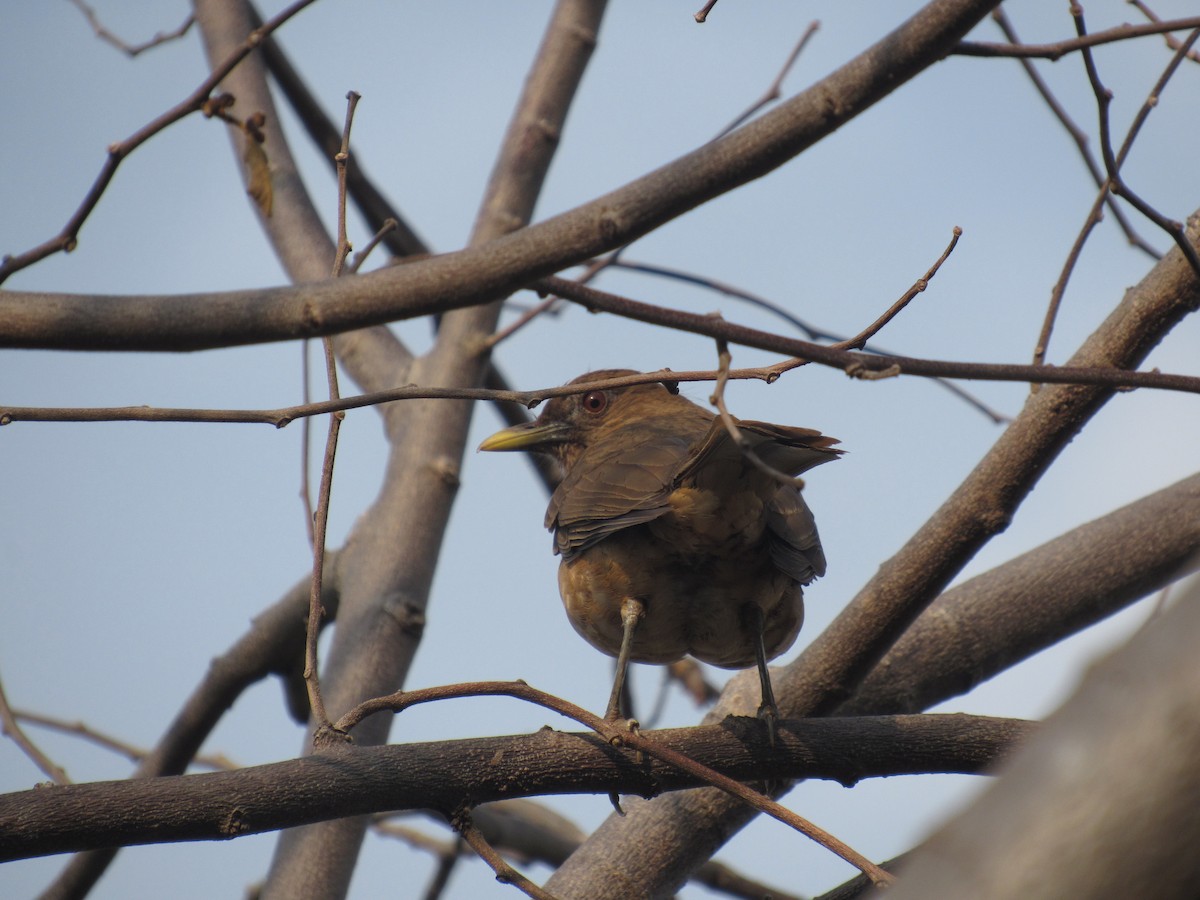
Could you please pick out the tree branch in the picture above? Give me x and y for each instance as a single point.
(480, 274)
(1102, 800)
(443, 775)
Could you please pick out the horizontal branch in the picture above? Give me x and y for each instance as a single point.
(854, 363)
(1061, 48)
(446, 775)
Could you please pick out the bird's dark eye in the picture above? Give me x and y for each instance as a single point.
(594, 402)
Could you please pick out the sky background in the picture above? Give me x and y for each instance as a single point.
(134, 553)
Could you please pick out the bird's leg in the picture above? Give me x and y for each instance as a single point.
(632, 611)
(767, 710)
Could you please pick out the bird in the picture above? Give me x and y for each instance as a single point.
(674, 542)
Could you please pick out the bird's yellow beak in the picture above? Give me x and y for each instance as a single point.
(535, 435)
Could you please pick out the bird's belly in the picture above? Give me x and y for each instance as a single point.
(695, 607)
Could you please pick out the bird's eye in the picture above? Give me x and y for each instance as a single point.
(594, 402)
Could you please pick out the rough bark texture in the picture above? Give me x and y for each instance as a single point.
(1102, 802)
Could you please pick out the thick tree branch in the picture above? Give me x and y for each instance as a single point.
(479, 274)
(444, 775)
(1102, 801)
(393, 559)
(990, 623)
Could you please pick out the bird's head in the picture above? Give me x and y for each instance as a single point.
(570, 424)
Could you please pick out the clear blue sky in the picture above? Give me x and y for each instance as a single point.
(134, 553)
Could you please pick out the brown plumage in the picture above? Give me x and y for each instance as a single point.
(672, 541)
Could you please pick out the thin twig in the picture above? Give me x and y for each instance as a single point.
(132, 50)
(855, 363)
(446, 853)
(1077, 136)
(340, 160)
(775, 91)
(133, 753)
(68, 237)
(1104, 198)
(505, 873)
(315, 611)
(12, 728)
(541, 835)
(441, 875)
(717, 399)
(702, 15)
(690, 677)
(1171, 40)
(860, 340)
(812, 332)
(1081, 43)
(1112, 162)
(389, 225)
(1060, 286)
(618, 735)
(596, 266)
(305, 444)
(524, 319)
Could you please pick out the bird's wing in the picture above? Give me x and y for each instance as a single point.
(790, 450)
(612, 488)
(793, 541)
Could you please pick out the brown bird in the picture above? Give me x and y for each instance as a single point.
(673, 542)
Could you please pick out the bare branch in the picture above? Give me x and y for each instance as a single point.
(1129, 728)
(811, 331)
(441, 775)
(702, 15)
(67, 239)
(617, 734)
(102, 739)
(840, 657)
(1113, 161)
(505, 873)
(859, 365)
(775, 91)
(131, 50)
(1077, 136)
(1171, 42)
(311, 669)
(859, 341)
(1083, 42)
(11, 728)
(480, 274)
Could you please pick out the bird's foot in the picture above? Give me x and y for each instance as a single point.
(615, 799)
(632, 726)
(769, 713)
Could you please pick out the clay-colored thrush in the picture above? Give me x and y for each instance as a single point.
(672, 541)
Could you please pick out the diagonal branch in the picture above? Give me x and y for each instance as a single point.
(66, 239)
(481, 273)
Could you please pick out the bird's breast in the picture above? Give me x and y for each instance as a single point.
(694, 601)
